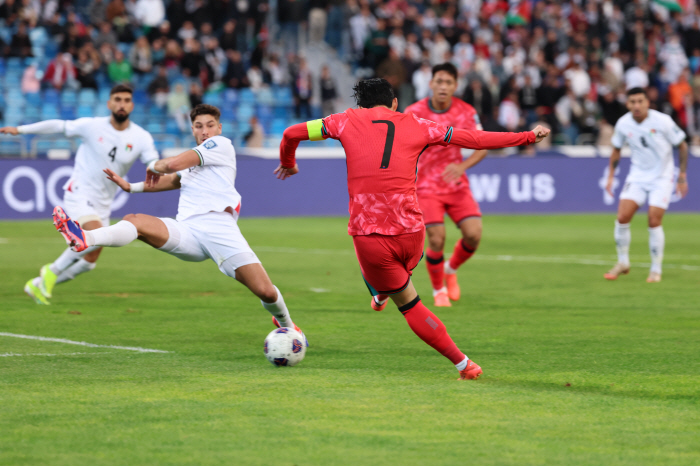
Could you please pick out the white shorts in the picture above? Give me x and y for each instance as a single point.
(658, 192)
(214, 235)
(82, 210)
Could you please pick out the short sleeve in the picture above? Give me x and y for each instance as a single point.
(81, 127)
(618, 139)
(435, 133)
(217, 150)
(333, 125)
(149, 151)
(673, 133)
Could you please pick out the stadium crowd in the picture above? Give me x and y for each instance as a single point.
(565, 63)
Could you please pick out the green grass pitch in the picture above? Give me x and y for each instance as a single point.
(577, 370)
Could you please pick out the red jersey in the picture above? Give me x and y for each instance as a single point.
(382, 148)
(434, 160)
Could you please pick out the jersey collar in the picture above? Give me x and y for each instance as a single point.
(430, 106)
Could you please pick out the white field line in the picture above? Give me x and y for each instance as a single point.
(81, 343)
(7, 355)
(570, 260)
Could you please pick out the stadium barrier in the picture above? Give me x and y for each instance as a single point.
(30, 188)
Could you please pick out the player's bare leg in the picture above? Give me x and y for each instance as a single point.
(657, 242)
(471, 228)
(66, 267)
(435, 262)
(625, 212)
(431, 330)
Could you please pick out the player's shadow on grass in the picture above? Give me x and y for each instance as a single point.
(612, 389)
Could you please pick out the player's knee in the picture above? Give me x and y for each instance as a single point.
(623, 218)
(131, 218)
(268, 294)
(654, 222)
(92, 256)
(472, 237)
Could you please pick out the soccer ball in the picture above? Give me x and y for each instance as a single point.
(285, 347)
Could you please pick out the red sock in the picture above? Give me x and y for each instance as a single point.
(436, 269)
(461, 253)
(431, 330)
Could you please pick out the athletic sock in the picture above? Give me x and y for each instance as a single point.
(657, 241)
(435, 263)
(66, 259)
(279, 310)
(381, 298)
(462, 365)
(74, 270)
(623, 237)
(441, 290)
(119, 234)
(431, 330)
(461, 253)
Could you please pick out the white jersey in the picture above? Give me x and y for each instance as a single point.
(210, 186)
(105, 147)
(651, 143)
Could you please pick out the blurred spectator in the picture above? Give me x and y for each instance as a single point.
(149, 13)
(114, 10)
(196, 94)
(318, 19)
(179, 106)
(119, 71)
(158, 88)
(637, 76)
(328, 91)
(187, 31)
(216, 60)
(421, 80)
(303, 90)
(278, 74)
(87, 66)
(228, 39)
(235, 76)
(256, 136)
(255, 78)
(106, 35)
(509, 113)
(678, 93)
(140, 56)
(192, 60)
(176, 14)
(31, 84)
(392, 69)
(173, 54)
(480, 98)
(21, 46)
(97, 11)
(60, 71)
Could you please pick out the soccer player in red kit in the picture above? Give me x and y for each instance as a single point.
(382, 147)
(443, 186)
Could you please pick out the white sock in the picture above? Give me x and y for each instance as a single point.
(623, 238)
(279, 310)
(74, 270)
(449, 269)
(119, 234)
(441, 290)
(66, 259)
(462, 365)
(657, 241)
(380, 302)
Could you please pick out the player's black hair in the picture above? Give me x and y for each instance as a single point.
(446, 67)
(121, 88)
(204, 109)
(637, 90)
(372, 92)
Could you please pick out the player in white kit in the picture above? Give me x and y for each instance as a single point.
(107, 142)
(206, 223)
(651, 136)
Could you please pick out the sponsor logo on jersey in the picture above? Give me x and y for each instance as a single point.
(209, 144)
(652, 131)
(129, 147)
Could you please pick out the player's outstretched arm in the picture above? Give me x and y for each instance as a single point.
(614, 162)
(493, 140)
(290, 141)
(164, 183)
(41, 127)
(682, 183)
(157, 168)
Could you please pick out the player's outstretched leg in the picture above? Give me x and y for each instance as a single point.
(379, 302)
(623, 238)
(431, 330)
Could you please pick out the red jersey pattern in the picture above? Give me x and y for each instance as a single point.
(382, 149)
(434, 160)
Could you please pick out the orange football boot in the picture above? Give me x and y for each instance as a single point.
(453, 290)
(471, 372)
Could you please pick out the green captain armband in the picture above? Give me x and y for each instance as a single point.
(315, 129)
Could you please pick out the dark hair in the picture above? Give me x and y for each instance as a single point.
(204, 109)
(372, 92)
(121, 88)
(637, 90)
(446, 67)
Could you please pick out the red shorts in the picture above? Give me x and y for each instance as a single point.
(387, 261)
(458, 205)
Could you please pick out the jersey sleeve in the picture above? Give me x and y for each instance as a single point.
(81, 127)
(149, 151)
(673, 133)
(333, 125)
(618, 138)
(435, 133)
(215, 151)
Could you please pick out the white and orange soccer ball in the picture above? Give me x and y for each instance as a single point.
(285, 347)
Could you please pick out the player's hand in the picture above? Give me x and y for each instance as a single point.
(9, 130)
(118, 180)
(609, 185)
(541, 132)
(284, 173)
(152, 178)
(682, 185)
(452, 172)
